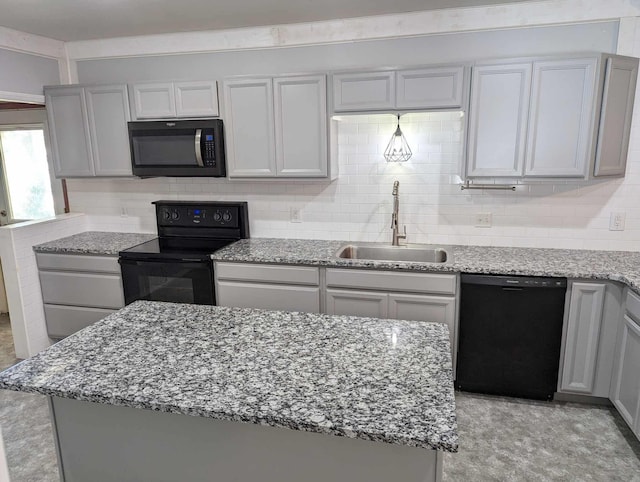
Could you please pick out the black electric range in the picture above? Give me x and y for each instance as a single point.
(176, 266)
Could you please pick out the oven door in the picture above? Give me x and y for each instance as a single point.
(168, 280)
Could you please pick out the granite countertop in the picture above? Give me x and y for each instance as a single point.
(380, 380)
(94, 242)
(623, 266)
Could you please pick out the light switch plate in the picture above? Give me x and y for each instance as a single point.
(294, 215)
(616, 221)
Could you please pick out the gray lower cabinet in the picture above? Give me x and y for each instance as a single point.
(625, 387)
(393, 294)
(591, 326)
(271, 287)
(88, 130)
(78, 290)
(551, 118)
(276, 126)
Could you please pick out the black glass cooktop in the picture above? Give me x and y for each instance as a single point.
(176, 248)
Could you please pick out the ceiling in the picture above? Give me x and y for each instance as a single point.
(71, 20)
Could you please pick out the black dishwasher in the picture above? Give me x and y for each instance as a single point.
(510, 335)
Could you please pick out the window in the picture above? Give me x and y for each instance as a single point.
(26, 188)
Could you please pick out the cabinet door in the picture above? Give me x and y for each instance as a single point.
(582, 337)
(108, 114)
(268, 296)
(561, 128)
(248, 105)
(498, 120)
(626, 383)
(69, 131)
(364, 91)
(615, 116)
(357, 303)
(301, 125)
(196, 99)
(437, 88)
(440, 309)
(154, 100)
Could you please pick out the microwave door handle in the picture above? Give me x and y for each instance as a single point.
(199, 148)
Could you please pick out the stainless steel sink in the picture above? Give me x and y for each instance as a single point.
(380, 252)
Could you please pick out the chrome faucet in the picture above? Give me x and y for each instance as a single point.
(396, 237)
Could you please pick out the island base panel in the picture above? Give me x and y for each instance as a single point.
(100, 442)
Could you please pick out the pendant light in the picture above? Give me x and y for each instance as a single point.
(397, 150)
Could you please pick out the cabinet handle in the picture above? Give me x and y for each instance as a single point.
(198, 148)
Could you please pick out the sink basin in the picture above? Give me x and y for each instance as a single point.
(379, 252)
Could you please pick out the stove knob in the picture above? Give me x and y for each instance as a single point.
(175, 215)
(166, 214)
(226, 216)
(217, 216)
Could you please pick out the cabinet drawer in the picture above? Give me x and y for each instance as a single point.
(82, 289)
(632, 304)
(392, 281)
(66, 320)
(76, 262)
(268, 273)
(268, 296)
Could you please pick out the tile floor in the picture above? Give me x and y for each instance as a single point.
(501, 439)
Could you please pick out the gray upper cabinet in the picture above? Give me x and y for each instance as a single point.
(563, 103)
(363, 91)
(88, 130)
(417, 89)
(276, 126)
(167, 100)
(249, 127)
(498, 119)
(301, 125)
(430, 88)
(615, 118)
(551, 118)
(69, 131)
(107, 106)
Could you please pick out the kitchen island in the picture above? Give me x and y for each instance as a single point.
(157, 391)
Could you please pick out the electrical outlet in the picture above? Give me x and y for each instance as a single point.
(483, 220)
(123, 212)
(294, 215)
(616, 221)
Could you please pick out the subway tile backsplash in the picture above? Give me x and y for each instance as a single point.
(357, 206)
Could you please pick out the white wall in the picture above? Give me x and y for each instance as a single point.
(21, 277)
(358, 205)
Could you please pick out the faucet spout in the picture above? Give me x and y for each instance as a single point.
(396, 237)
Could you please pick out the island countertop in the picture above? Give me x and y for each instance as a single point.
(380, 380)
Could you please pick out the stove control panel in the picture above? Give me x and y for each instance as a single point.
(205, 216)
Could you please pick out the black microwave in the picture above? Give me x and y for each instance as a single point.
(177, 148)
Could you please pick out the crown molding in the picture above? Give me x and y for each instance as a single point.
(32, 44)
(518, 15)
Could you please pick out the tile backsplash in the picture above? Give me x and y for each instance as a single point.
(357, 206)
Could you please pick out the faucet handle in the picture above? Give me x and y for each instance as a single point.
(403, 236)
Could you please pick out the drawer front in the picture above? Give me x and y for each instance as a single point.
(632, 304)
(268, 273)
(82, 289)
(66, 320)
(392, 281)
(78, 262)
(268, 297)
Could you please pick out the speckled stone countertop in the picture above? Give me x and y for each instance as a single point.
(381, 380)
(623, 266)
(94, 242)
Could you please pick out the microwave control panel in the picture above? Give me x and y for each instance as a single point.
(208, 150)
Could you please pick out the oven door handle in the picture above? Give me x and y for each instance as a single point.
(187, 263)
(199, 148)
